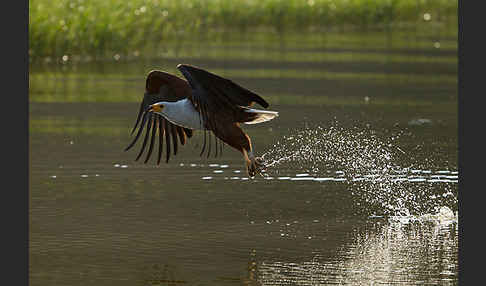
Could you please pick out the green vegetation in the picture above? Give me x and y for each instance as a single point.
(100, 28)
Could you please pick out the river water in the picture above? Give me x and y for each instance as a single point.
(361, 187)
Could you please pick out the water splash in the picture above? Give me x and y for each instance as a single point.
(369, 165)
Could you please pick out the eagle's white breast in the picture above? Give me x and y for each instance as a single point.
(182, 113)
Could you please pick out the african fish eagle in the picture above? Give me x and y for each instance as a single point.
(204, 101)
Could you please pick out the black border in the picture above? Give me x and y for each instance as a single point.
(15, 142)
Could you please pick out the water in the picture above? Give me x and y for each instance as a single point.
(361, 186)
(368, 164)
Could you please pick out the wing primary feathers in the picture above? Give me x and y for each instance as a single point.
(203, 123)
(149, 125)
(216, 146)
(173, 131)
(200, 112)
(188, 132)
(221, 148)
(142, 125)
(204, 144)
(167, 141)
(209, 144)
(160, 86)
(182, 135)
(152, 139)
(140, 111)
(161, 138)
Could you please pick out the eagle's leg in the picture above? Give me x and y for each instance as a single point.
(236, 138)
(254, 165)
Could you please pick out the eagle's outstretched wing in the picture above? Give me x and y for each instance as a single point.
(223, 105)
(219, 99)
(161, 86)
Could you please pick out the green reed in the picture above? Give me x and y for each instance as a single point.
(89, 27)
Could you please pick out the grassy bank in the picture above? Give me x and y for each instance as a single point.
(89, 27)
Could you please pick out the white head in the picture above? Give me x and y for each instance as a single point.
(157, 108)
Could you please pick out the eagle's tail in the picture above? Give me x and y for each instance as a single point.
(260, 116)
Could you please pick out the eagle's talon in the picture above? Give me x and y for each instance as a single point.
(256, 166)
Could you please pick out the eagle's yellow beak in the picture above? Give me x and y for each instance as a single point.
(156, 107)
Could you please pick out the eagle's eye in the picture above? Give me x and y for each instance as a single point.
(156, 107)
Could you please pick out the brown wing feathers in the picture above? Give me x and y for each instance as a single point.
(221, 103)
(225, 89)
(160, 86)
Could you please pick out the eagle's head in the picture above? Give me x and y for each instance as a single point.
(156, 108)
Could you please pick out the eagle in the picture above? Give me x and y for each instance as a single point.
(174, 108)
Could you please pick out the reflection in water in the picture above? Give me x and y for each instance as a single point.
(389, 252)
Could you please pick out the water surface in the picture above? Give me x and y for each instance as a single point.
(362, 186)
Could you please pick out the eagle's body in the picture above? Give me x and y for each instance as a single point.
(182, 113)
(174, 107)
